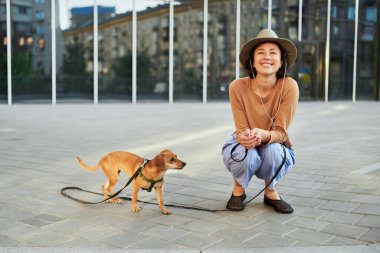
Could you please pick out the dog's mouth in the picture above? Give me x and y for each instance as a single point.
(181, 166)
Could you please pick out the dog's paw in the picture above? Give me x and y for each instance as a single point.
(135, 209)
(116, 201)
(165, 211)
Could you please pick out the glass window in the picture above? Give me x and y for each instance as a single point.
(3, 67)
(40, 1)
(221, 48)
(31, 62)
(115, 50)
(75, 52)
(40, 15)
(153, 52)
(188, 51)
(367, 75)
(341, 52)
(310, 59)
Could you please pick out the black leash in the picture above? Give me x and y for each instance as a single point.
(137, 172)
(169, 205)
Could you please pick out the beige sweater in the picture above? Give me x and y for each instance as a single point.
(249, 113)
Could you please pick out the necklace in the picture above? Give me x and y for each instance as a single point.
(271, 118)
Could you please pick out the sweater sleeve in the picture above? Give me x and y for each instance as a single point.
(286, 113)
(237, 106)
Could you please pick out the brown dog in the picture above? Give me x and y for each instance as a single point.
(154, 170)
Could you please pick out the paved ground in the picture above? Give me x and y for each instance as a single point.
(334, 187)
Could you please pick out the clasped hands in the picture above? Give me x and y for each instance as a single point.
(251, 138)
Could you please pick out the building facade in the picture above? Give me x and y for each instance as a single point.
(338, 45)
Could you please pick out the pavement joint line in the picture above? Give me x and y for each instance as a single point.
(367, 169)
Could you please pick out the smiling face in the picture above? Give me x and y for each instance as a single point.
(267, 58)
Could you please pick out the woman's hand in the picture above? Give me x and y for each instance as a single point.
(249, 139)
(262, 134)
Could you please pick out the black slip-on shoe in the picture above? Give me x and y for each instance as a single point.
(235, 203)
(279, 205)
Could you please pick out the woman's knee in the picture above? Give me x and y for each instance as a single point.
(272, 153)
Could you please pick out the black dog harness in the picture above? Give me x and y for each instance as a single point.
(152, 182)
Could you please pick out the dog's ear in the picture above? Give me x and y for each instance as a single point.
(159, 161)
(166, 152)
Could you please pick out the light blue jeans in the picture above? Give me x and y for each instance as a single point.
(262, 162)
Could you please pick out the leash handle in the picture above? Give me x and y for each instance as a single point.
(232, 151)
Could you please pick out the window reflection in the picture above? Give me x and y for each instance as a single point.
(341, 51)
(115, 51)
(310, 60)
(31, 67)
(153, 52)
(75, 44)
(221, 48)
(252, 20)
(188, 50)
(367, 68)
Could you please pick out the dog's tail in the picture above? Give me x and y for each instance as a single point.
(87, 167)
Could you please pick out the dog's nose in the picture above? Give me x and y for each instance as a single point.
(183, 164)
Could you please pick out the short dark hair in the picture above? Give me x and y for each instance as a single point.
(280, 73)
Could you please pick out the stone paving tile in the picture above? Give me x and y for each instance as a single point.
(340, 241)
(368, 209)
(307, 223)
(339, 196)
(154, 244)
(310, 236)
(164, 232)
(339, 206)
(307, 202)
(203, 226)
(96, 232)
(372, 235)
(226, 244)
(368, 199)
(7, 242)
(197, 240)
(135, 226)
(369, 221)
(35, 222)
(340, 217)
(268, 240)
(273, 228)
(171, 220)
(236, 234)
(314, 213)
(123, 239)
(48, 239)
(240, 221)
(307, 193)
(346, 230)
(83, 243)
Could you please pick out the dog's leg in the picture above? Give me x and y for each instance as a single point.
(105, 186)
(161, 201)
(135, 190)
(112, 183)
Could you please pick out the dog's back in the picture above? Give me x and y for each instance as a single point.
(114, 162)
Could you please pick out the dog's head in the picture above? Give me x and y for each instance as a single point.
(170, 160)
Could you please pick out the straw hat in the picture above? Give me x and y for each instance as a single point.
(267, 35)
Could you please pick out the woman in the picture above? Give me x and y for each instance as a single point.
(263, 106)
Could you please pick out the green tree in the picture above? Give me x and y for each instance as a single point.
(75, 77)
(122, 67)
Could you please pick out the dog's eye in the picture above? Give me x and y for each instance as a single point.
(172, 159)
